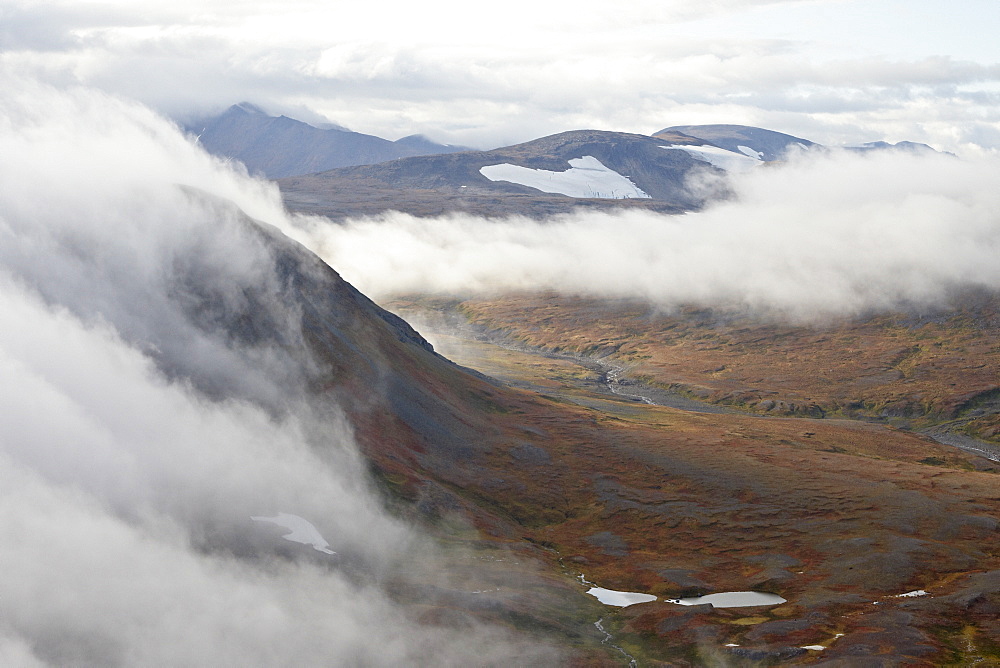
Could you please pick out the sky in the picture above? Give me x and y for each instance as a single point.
(833, 71)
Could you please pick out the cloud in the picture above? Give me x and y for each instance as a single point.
(822, 235)
(526, 69)
(142, 430)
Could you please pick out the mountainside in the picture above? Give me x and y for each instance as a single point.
(281, 146)
(769, 145)
(339, 174)
(555, 174)
(656, 499)
(646, 489)
(648, 498)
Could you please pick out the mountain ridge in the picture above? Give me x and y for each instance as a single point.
(433, 185)
(278, 146)
(542, 177)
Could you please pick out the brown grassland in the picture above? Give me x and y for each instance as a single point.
(816, 485)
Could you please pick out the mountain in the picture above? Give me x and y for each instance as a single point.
(178, 371)
(767, 145)
(909, 146)
(556, 174)
(278, 146)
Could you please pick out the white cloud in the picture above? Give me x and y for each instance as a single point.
(821, 235)
(524, 69)
(141, 433)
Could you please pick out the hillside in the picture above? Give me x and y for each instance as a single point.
(628, 171)
(578, 481)
(661, 500)
(770, 145)
(834, 515)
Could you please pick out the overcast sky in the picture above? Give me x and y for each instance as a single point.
(834, 71)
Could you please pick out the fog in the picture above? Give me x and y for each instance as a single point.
(141, 433)
(822, 235)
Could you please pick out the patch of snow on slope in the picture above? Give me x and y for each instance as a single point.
(719, 157)
(731, 599)
(746, 150)
(621, 599)
(587, 177)
(302, 531)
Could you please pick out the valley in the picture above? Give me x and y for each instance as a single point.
(838, 516)
(845, 464)
(542, 335)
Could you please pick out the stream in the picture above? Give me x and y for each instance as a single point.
(612, 379)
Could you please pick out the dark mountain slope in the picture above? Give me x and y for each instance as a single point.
(281, 146)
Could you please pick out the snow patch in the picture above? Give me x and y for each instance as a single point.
(731, 599)
(815, 648)
(587, 177)
(746, 150)
(730, 161)
(912, 594)
(302, 531)
(622, 599)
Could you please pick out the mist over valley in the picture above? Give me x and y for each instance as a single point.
(590, 340)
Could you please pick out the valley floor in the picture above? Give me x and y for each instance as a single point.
(675, 489)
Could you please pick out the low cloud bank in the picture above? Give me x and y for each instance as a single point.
(821, 235)
(141, 435)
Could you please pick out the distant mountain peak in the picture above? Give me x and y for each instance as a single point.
(279, 146)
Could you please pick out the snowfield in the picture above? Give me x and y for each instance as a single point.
(721, 158)
(587, 177)
(302, 531)
(621, 599)
(731, 599)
